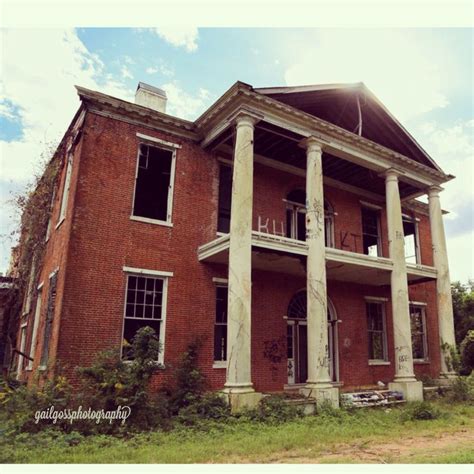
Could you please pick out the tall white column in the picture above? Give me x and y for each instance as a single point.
(318, 384)
(443, 282)
(239, 301)
(399, 285)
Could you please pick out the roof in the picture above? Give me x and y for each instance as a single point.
(355, 108)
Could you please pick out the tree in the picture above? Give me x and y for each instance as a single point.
(463, 308)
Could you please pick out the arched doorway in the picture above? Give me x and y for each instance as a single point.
(297, 340)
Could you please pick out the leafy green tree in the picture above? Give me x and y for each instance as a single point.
(463, 307)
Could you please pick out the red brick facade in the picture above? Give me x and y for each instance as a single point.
(98, 238)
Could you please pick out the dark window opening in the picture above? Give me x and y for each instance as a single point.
(143, 307)
(371, 232)
(153, 183)
(376, 331)
(411, 241)
(220, 328)
(225, 199)
(418, 332)
(296, 215)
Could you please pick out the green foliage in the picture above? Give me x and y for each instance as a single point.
(451, 357)
(463, 308)
(421, 411)
(467, 353)
(462, 390)
(273, 409)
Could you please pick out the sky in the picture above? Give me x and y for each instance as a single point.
(423, 75)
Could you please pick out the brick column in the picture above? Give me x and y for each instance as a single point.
(443, 282)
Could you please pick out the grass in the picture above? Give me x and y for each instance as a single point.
(367, 435)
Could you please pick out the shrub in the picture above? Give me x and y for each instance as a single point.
(467, 353)
(420, 411)
(462, 390)
(273, 409)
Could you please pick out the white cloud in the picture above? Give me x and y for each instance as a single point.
(126, 74)
(179, 37)
(7, 110)
(39, 71)
(162, 69)
(183, 105)
(151, 70)
(402, 73)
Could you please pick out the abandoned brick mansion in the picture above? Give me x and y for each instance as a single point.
(282, 227)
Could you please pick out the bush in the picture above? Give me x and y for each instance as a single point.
(420, 411)
(273, 409)
(467, 353)
(462, 390)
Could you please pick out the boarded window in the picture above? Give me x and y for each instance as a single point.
(225, 199)
(152, 188)
(143, 307)
(48, 327)
(220, 328)
(371, 232)
(376, 331)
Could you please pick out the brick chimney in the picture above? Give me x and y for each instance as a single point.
(151, 97)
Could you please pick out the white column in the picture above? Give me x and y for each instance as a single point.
(443, 282)
(239, 300)
(319, 381)
(399, 286)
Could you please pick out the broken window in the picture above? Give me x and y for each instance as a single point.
(329, 224)
(371, 232)
(220, 327)
(225, 199)
(35, 328)
(144, 306)
(376, 331)
(21, 358)
(67, 184)
(410, 232)
(48, 326)
(418, 332)
(153, 186)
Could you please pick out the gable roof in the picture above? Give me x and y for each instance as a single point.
(355, 108)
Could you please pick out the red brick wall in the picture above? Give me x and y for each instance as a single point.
(104, 240)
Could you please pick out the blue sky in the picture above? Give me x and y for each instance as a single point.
(424, 76)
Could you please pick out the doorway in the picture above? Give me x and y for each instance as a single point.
(297, 340)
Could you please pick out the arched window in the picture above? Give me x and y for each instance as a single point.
(295, 217)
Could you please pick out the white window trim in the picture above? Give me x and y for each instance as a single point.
(164, 143)
(375, 207)
(66, 187)
(219, 364)
(169, 211)
(223, 283)
(426, 359)
(415, 222)
(29, 290)
(220, 281)
(34, 335)
(381, 301)
(23, 330)
(164, 303)
(379, 226)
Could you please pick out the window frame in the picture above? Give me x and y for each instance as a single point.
(164, 145)
(422, 306)
(220, 283)
(382, 302)
(377, 210)
(414, 221)
(65, 190)
(159, 275)
(36, 320)
(221, 165)
(21, 357)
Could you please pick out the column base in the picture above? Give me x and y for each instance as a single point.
(323, 394)
(241, 397)
(412, 390)
(446, 378)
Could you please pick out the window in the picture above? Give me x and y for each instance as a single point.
(21, 358)
(225, 199)
(296, 215)
(144, 306)
(371, 232)
(220, 327)
(51, 205)
(410, 230)
(35, 328)
(329, 224)
(48, 326)
(154, 183)
(67, 184)
(376, 331)
(418, 332)
(29, 291)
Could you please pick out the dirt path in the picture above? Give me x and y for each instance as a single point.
(373, 452)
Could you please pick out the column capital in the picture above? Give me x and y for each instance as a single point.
(391, 174)
(433, 191)
(311, 144)
(245, 116)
